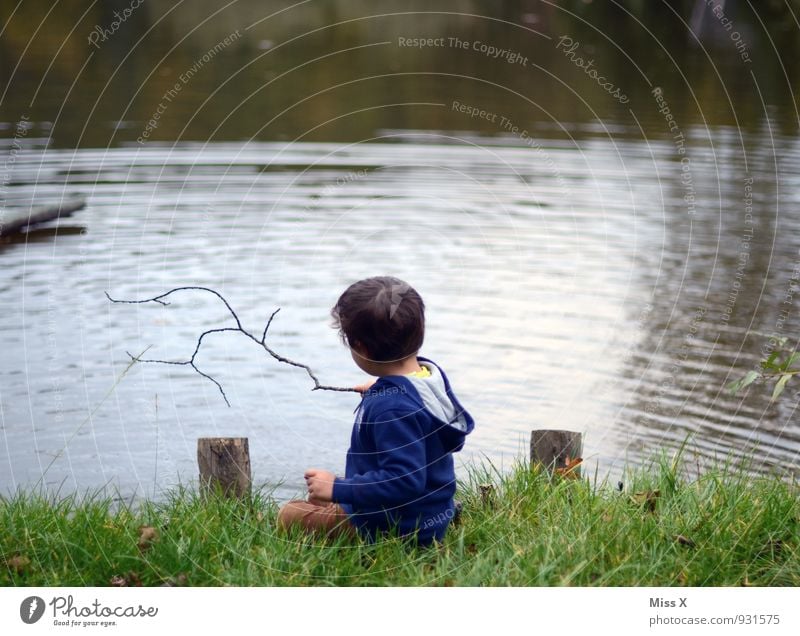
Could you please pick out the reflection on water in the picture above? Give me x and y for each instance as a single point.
(586, 264)
(568, 292)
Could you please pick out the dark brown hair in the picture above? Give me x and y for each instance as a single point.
(383, 315)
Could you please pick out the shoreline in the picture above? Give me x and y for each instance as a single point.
(724, 528)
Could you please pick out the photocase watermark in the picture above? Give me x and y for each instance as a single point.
(388, 390)
(776, 338)
(794, 284)
(727, 24)
(101, 34)
(437, 520)
(206, 219)
(350, 177)
(398, 292)
(66, 613)
(310, 210)
(565, 43)
(31, 609)
(496, 53)
(507, 55)
(570, 49)
(689, 197)
(475, 112)
(667, 385)
(523, 135)
(54, 365)
(183, 79)
(744, 250)
(20, 131)
(641, 323)
(508, 126)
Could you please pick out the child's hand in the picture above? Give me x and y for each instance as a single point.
(363, 388)
(320, 484)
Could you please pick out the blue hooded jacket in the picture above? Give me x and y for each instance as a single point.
(399, 471)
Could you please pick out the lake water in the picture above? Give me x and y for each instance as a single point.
(600, 272)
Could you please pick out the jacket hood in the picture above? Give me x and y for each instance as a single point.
(438, 399)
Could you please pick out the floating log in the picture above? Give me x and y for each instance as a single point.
(554, 449)
(225, 465)
(15, 220)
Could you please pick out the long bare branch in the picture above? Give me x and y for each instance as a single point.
(318, 386)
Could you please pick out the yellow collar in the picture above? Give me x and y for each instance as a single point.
(424, 372)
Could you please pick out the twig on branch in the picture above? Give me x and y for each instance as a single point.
(263, 341)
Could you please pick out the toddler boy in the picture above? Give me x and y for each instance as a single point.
(399, 472)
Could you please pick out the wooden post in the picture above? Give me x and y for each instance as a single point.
(552, 449)
(224, 463)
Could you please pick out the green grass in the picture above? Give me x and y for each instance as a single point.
(724, 528)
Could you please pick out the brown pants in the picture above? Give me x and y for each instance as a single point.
(316, 516)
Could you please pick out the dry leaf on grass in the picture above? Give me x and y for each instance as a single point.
(131, 579)
(18, 563)
(684, 541)
(646, 498)
(569, 470)
(147, 536)
(176, 581)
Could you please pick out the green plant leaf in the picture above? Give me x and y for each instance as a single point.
(733, 386)
(780, 385)
(769, 363)
(792, 358)
(737, 385)
(751, 377)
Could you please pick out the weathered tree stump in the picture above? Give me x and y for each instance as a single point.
(224, 464)
(553, 449)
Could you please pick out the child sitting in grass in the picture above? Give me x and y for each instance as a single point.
(399, 472)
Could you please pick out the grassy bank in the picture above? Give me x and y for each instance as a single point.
(725, 528)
